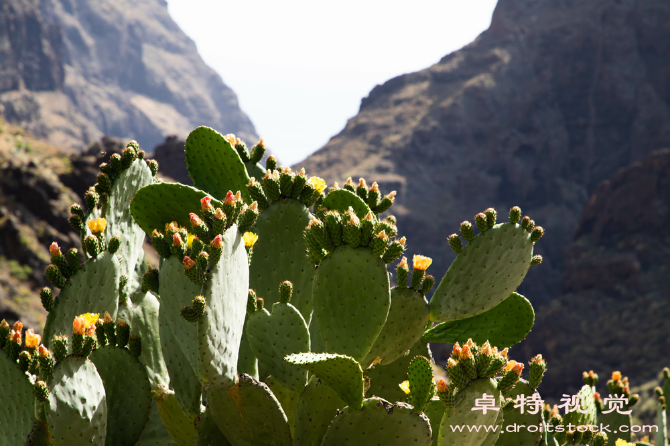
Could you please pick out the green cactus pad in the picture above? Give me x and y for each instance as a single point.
(493, 436)
(523, 436)
(317, 406)
(341, 199)
(404, 326)
(220, 328)
(463, 415)
(421, 384)
(155, 433)
(434, 411)
(246, 361)
(176, 291)
(484, 274)
(207, 433)
(351, 300)
(145, 324)
(588, 404)
(121, 223)
(340, 372)
(616, 419)
(315, 339)
(179, 426)
(16, 410)
(661, 437)
(255, 170)
(183, 380)
(76, 411)
(248, 412)
(279, 255)
(384, 379)
(214, 165)
(156, 205)
(93, 289)
(128, 394)
(380, 423)
(287, 398)
(504, 325)
(274, 336)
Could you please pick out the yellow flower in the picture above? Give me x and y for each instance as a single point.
(318, 183)
(189, 240)
(89, 318)
(616, 376)
(97, 225)
(404, 386)
(32, 339)
(249, 239)
(621, 442)
(421, 262)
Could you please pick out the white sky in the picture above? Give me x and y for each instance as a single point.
(301, 67)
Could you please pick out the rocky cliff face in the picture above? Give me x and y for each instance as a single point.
(615, 307)
(72, 71)
(551, 100)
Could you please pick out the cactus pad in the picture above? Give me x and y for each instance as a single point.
(261, 416)
(287, 398)
(317, 406)
(145, 324)
(93, 289)
(351, 300)
(119, 220)
(246, 361)
(183, 380)
(176, 291)
(273, 336)
(588, 404)
(279, 254)
(384, 379)
(483, 274)
(214, 165)
(340, 372)
(522, 436)
(155, 433)
(179, 426)
(16, 410)
(616, 419)
(220, 328)
(128, 394)
(341, 199)
(463, 415)
(77, 410)
(434, 411)
(504, 325)
(404, 326)
(156, 205)
(379, 422)
(207, 433)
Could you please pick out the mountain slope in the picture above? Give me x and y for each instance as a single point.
(552, 99)
(72, 71)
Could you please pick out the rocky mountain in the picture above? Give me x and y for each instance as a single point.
(615, 307)
(549, 102)
(72, 71)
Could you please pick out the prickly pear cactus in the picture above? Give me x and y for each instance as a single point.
(16, 412)
(499, 257)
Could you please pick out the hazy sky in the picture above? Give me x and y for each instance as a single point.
(301, 68)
